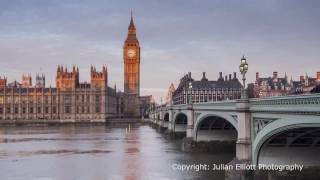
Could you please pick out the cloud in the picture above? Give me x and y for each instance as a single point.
(175, 38)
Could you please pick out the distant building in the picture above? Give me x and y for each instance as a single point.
(70, 101)
(316, 89)
(169, 100)
(40, 81)
(3, 82)
(14, 84)
(250, 90)
(205, 90)
(145, 104)
(26, 80)
(306, 84)
(271, 86)
(281, 86)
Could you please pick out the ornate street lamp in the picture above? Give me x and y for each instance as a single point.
(190, 92)
(243, 70)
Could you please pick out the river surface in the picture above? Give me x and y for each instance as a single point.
(98, 153)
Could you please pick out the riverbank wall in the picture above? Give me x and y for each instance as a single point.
(42, 122)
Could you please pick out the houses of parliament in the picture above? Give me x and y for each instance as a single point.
(75, 101)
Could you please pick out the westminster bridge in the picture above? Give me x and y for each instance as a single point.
(275, 130)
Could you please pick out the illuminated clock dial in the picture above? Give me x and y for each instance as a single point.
(131, 53)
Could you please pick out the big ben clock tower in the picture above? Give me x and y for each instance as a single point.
(131, 57)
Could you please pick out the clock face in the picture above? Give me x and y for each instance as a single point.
(131, 53)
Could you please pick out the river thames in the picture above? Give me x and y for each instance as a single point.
(99, 152)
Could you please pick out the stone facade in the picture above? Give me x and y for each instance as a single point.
(306, 84)
(70, 101)
(281, 86)
(131, 57)
(145, 104)
(26, 80)
(227, 88)
(271, 86)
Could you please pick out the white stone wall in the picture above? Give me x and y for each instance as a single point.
(216, 135)
(308, 156)
(180, 128)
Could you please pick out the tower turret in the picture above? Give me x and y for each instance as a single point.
(26, 80)
(99, 79)
(40, 81)
(67, 80)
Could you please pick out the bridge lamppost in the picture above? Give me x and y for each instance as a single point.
(190, 92)
(243, 70)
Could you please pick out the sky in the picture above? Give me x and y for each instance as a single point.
(175, 37)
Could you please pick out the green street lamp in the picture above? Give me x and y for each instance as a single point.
(243, 70)
(190, 92)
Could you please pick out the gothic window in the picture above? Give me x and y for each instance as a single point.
(1, 110)
(31, 109)
(97, 109)
(54, 110)
(23, 110)
(8, 110)
(16, 100)
(46, 109)
(67, 99)
(46, 99)
(23, 99)
(16, 110)
(39, 109)
(39, 100)
(97, 98)
(67, 109)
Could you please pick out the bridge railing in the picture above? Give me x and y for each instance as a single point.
(218, 103)
(302, 104)
(306, 103)
(213, 105)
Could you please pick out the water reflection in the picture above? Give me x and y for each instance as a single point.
(97, 152)
(131, 159)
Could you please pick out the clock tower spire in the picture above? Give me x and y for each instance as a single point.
(131, 28)
(131, 57)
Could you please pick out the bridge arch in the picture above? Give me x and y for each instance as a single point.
(166, 117)
(180, 122)
(287, 133)
(212, 126)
